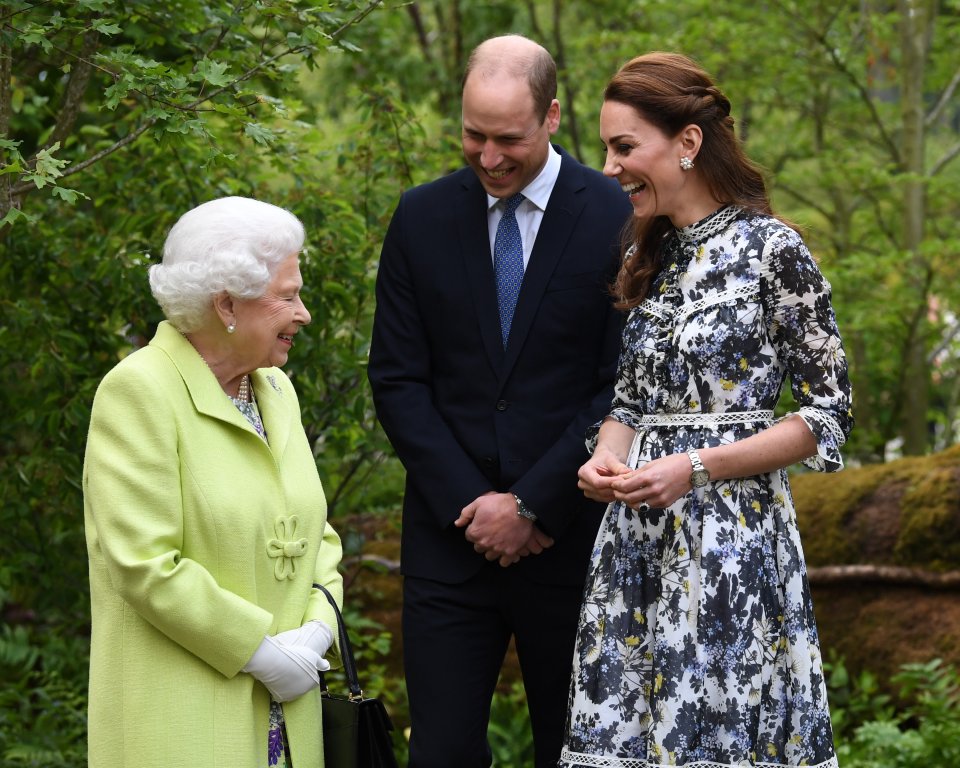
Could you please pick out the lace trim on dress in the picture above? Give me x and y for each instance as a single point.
(828, 457)
(656, 309)
(826, 420)
(704, 419)
(712, 225)
(574, 759)
(747, 291)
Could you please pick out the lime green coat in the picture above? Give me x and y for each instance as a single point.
(202, 539)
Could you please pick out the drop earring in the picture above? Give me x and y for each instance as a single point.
(686, 163)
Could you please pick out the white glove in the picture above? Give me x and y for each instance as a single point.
(315, 634)
(287, 671)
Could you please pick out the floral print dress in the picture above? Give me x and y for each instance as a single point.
(697, 644)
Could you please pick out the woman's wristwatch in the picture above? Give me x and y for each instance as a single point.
(699, 477)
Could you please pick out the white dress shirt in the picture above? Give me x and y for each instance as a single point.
(530, 212)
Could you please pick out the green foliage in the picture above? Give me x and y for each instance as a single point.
(511, 741)
(74, 297)
(43, 700)
(111, 127)
(926, 732)
(854, 700)
(371, 645)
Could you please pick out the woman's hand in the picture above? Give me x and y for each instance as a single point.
(596, 477)
(315, 635)
(657, 483)
(287, 671)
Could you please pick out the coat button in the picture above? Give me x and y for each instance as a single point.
(501, 405)
(488, 461)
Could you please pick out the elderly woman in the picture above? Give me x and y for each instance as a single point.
(206, 522)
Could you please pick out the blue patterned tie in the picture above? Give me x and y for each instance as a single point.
(508, 263)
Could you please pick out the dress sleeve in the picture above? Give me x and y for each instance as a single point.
(625, 407)
(803, 329)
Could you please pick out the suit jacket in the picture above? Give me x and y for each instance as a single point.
(187, 511)
(466, 416)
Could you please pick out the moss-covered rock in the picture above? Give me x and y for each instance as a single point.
(903, 513)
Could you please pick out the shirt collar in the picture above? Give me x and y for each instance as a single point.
(538, 191)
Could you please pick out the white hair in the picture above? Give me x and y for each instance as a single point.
(231, 244)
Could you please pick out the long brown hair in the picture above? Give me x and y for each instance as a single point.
(671, 91)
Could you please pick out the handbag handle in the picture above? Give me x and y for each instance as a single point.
(346, 651)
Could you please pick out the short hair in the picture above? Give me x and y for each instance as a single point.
(231, 244)
(536, 66)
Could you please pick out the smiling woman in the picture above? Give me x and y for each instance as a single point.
(205, 518)
(697, 644)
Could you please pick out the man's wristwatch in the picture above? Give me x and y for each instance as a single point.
(524, 511)
(699, 477)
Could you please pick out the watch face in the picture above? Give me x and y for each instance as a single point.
(699, 478)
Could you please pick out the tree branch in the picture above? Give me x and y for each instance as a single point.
(883, 574)
(26, 186)
(73, 97)
(413, 11)
(944, 344)
(6, 90)
(391, 566)
(569, 92)
(334, 36)
(807, 201)
(944, 99)
(945, 160)
(861, 89)
(32, 7)
(827, 575)
(6, 93)
(358, 17)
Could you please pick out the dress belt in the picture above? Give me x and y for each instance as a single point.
(703, 419)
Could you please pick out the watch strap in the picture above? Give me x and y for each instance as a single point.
(523, 510)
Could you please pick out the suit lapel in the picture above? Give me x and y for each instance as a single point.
(478, 261)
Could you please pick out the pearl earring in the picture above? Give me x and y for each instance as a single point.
(686, 163)
(231, 328)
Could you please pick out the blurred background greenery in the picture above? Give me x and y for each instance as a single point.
(116, 117)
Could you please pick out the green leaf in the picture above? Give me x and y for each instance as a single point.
(259, 133)
(68, 195)
(14, 215)
(47, 166)
(214, 72)
(106, 28)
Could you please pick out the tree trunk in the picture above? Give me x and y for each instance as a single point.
(916, 18)
(6, 91)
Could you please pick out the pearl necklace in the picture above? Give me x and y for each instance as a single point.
(243, 401)
(247, 405)
(243, 394)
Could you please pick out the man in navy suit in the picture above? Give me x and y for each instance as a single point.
(488, 411)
